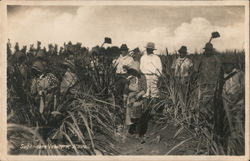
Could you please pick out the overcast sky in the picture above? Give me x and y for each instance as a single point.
(167, 26)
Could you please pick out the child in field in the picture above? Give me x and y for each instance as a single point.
(135, 88)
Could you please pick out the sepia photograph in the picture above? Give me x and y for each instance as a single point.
(126, 79)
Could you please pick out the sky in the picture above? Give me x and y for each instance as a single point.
(167, 26)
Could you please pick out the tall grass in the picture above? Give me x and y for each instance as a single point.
(88, 117)
(220, 130)
(85, 118)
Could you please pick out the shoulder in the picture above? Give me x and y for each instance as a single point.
(156, 57)
(143, 58)
(217, 58)
(130, 58)
(188, 60)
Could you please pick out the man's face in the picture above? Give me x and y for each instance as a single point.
(124, 52)
(149, 51)
(208, 52)
(183, 54)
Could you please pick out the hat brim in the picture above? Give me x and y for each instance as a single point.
(209, 48)
(150, 48)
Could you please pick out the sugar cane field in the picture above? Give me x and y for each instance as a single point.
(87, 115)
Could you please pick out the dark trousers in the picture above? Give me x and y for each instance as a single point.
(118, 93)
(140, 125)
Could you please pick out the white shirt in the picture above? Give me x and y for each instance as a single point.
(150, 64)
(122, 61)
(182, 67)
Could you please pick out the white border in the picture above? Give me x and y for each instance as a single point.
(3, 57)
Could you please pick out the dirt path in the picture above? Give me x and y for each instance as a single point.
(159, 140)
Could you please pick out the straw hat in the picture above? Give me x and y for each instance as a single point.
(150, 45)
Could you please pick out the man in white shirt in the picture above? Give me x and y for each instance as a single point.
(123, 60)
(183, 65)
(151, 67)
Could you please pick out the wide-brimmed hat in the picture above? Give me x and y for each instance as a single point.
(208, 46)
(150, 45)
(38, 66)
(124, 47)
(183, 49)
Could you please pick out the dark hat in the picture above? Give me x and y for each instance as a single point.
(124, 47)
(208, 46)
(183, 49)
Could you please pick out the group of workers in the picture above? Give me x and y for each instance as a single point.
(137, 80)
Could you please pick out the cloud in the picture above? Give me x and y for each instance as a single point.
(196, 33)
(89, 26)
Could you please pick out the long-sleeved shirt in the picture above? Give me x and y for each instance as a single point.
(150, 64)
(122, 61)
(208, 68)
(182, 67)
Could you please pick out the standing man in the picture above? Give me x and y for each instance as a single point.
(151, 67)
(182, 66)
(208, 68)
(123, 60)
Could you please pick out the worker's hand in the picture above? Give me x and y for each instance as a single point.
(139, 95)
